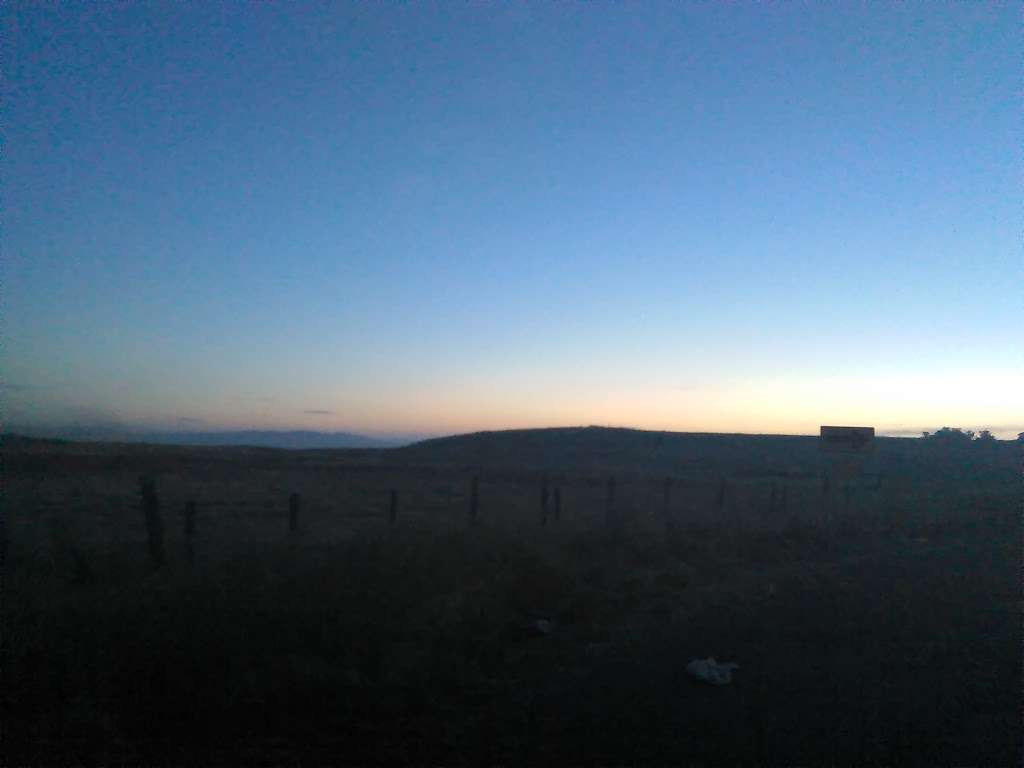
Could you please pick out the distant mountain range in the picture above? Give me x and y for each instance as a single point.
(295, 439)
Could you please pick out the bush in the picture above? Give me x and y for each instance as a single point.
(955, 436)
(949, 436)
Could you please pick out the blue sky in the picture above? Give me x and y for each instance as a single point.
(429, 218)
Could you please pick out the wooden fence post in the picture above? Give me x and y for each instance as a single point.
(722, 489)
(544, 500)
(558, 503)
(610, 508)
(190, 531)
(154, 525)
(826, 498)
(828, 516)
(774, 498)
(393, 508)
(294, 505)
(474, 500)
(667, 505)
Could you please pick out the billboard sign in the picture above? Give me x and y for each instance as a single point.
(847, 439)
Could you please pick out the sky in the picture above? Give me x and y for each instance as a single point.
(435, 218)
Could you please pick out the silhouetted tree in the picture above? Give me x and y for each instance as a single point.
(949, 436)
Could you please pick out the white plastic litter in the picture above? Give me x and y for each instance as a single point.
(710, 671)
(541, 626)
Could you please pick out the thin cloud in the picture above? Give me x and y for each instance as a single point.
(319, 412)
(190, 420)
(12, 387)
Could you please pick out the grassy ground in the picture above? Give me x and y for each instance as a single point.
(876, 628)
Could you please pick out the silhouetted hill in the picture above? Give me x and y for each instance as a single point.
(604, 448)
(291, 439)
(595, 450)
(295, 439)
(600, 449)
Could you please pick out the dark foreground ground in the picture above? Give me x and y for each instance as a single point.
(874, 624)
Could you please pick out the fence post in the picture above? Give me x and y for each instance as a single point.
(774, 498)
(667, 505)
(785, 498)
(826, 498)
(544, 500)
(474, 500)
(294, 505)
(558, 503)
(828, 515)
(190, 531)
(393, 508)
(154, 525)
(722, 489)
(610, 509)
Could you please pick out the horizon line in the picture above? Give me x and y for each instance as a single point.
(56, 431)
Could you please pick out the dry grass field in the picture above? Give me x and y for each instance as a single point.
(875, 622)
